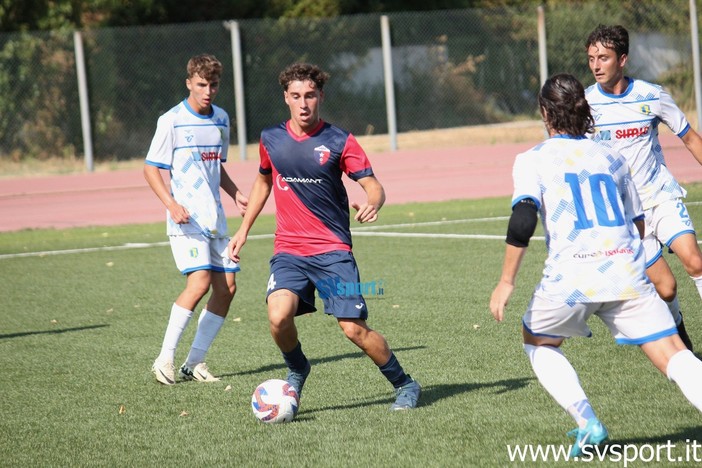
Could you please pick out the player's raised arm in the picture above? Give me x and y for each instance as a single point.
(257, 200)
(375, 193)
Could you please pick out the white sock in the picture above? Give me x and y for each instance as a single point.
(208, 326)
(556, 374)
(180, 316)
(674, 307)
(686, 371)
(698, 283)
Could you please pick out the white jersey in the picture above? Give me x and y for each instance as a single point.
(192, 147)
(628, 122)
(587, 204)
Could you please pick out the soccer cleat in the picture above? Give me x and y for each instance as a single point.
(683, 334)
(594, 433)
(200, 372)
(164, 371)
(407, 396)
(297, 379)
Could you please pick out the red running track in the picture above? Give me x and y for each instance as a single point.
(123, 197)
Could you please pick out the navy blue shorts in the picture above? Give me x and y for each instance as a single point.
(332, 274)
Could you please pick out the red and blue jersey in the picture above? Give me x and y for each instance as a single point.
(312, 206)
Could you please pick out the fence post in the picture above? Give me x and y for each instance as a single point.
(233, 27)
(389, 82)
(84, 104)
(694, 32)
(543, 58)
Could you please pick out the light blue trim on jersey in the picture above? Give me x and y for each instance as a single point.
(647, 339)
(159, 165)
(687, 231)
(655, 258)
(197, 146)
(199, 116)
(524, 197)
(627, 123)
(628, 89)
(569, 137)
(684, 131)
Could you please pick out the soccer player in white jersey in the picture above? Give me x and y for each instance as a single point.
(191, 142)
(627, 113)
(593, 220)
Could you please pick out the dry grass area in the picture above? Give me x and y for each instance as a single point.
(516, 132)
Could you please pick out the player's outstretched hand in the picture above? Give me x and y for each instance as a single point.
(179, 213)
(499, 299)
(235, 244)
(241, 202)
(365, 213)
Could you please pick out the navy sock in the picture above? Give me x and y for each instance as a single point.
(392, 370)
(296, 359)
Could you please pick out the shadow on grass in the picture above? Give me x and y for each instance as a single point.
(50, 332)
(680, 439)
(433, 393)
(339, 357)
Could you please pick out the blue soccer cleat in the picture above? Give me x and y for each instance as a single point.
(594, 433)
(297, 379)
(407, 396)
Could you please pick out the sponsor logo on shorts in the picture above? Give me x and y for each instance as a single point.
(335, 287)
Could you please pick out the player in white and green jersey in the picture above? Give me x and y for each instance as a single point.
(593, 221)
(191, 142)
(627, 114)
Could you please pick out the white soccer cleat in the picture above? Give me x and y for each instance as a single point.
(200, 372)
(164, 371)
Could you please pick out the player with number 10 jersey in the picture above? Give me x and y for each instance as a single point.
(576, 184)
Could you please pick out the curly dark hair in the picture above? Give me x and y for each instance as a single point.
(564, 107)
(205, 66)
(612, 37)
(303, 72)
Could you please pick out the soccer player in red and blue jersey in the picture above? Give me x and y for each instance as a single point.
(302, 162)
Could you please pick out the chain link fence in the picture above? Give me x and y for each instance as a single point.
(451, 68)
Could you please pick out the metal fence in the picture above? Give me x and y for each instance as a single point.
(450, 68)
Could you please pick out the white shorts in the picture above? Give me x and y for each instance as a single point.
(194, 252)
(664, 223)
(633, 321)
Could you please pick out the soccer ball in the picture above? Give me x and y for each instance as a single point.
(275, 401)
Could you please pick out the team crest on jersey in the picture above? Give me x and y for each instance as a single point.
(646, 109)
(322, 153)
